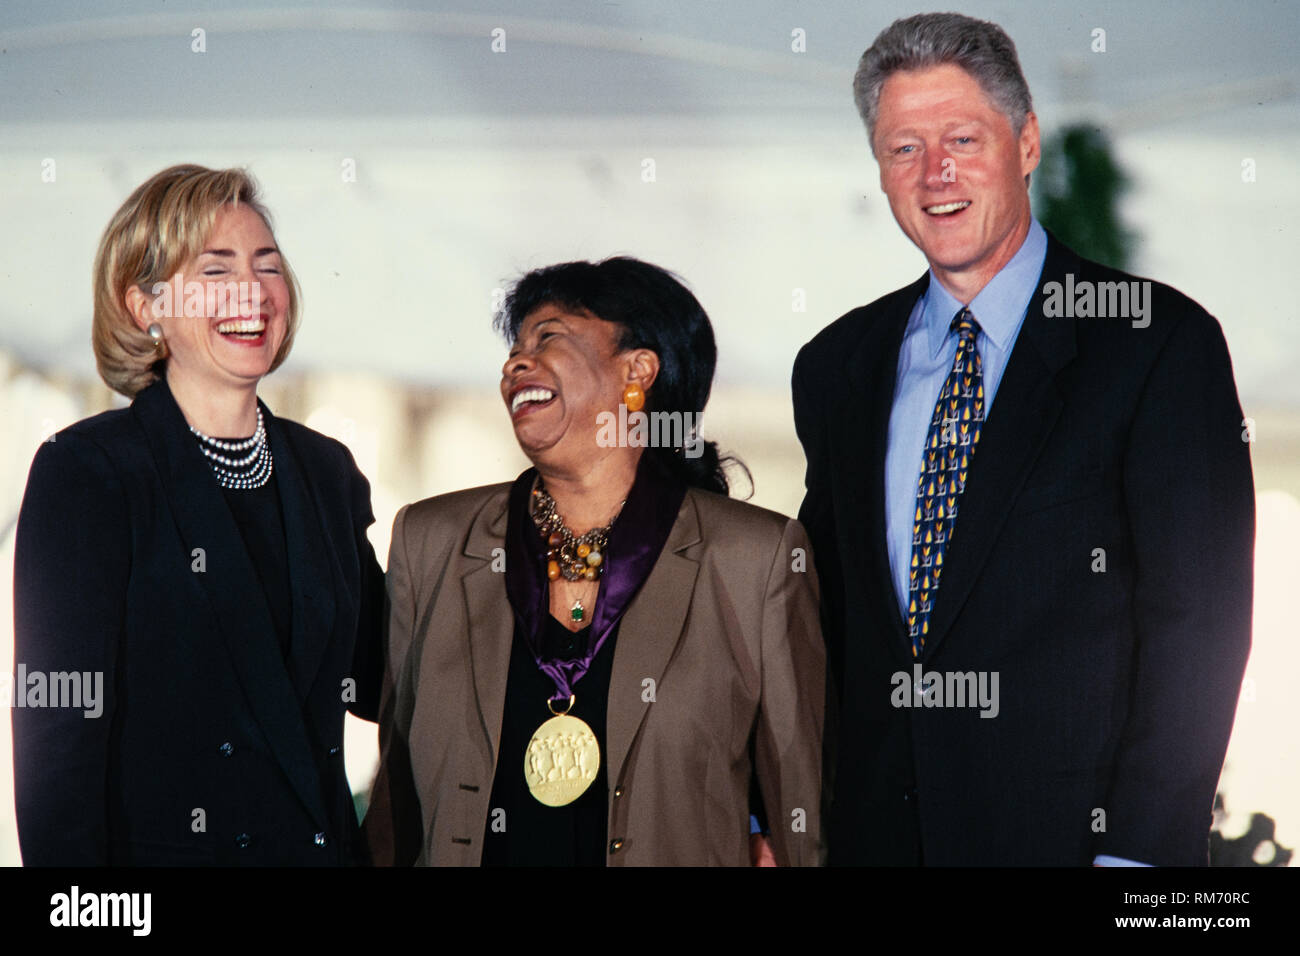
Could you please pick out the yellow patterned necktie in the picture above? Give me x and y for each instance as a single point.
(949, 447)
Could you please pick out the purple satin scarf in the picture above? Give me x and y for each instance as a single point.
(635, 541)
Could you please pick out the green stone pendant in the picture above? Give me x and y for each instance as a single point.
(577, 612)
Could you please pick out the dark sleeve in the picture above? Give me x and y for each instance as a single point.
(817, 516)
(816, 513)
(1191, 507)
(72, 561)
(368, 657)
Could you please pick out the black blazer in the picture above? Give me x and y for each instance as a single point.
(209, 748)
(1118, 687)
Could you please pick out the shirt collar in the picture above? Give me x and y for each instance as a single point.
(1000, 305)
(636, 538)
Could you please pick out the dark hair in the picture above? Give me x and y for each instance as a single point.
(654, 311)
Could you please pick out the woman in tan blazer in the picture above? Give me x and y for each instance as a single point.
(607, 661)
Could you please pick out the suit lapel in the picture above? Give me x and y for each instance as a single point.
(230, 584)
(648, 631)
(873, 370)
(310, 575)
(648, 635)
(489, 620)
(1025, 409)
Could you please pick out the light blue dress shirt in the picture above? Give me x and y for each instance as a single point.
(924, 360)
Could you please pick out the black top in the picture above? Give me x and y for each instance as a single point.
(199, 709)
(260, 519)
(529, 833)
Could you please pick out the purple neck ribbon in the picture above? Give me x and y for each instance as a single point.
(636, 538)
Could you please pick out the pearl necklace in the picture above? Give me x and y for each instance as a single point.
(251, 471)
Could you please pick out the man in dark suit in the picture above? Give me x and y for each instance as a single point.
(1031, 503)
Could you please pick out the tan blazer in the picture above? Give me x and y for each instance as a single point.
(721, 648)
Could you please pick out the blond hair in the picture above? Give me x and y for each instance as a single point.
(162, 226)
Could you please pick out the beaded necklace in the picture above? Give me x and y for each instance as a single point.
(575, 557)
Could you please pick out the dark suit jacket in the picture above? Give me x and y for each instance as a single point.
(726, 628)
(209, 749)
(1117, 687)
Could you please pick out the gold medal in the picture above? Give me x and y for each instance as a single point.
(562, 758)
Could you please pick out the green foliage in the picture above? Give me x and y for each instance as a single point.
(1077, 188)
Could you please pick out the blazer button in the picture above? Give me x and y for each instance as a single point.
(334, 751)
(243, 840)
(618, 791)
(226, 749)
(615, 846)
(321, 839)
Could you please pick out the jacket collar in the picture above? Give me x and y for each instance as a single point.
(859, 430)
(649, 631)
(229, 582)
(1029, 402)
(636, 538)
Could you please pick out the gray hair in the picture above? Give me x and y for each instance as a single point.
(979, 47)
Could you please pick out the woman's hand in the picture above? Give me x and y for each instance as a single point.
(760, 851)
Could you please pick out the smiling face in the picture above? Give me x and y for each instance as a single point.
(954, 173)
(563, 370)
(227, 313)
